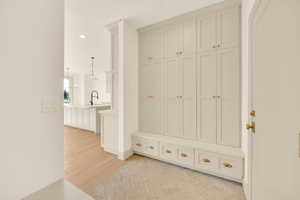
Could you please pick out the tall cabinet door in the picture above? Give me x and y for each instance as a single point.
(229, 101)
(206, 33)
(188, 98)
(174, 111)
(207, 94)
(229, 27)
(150, 98)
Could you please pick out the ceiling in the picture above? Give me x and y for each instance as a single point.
(89, 17)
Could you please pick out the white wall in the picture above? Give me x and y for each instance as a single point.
(31, 67)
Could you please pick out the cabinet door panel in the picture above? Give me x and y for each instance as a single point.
(207, 89)
(173, 104)
(188, 37)
(150, 115)
(229, 72)
(150, 98)
(171, 40)
(150, 80)
(189, 97)
(151, 46)
(206, 33)
(229, 28)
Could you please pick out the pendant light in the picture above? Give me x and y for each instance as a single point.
(92, 75)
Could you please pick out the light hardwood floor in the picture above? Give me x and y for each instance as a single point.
(86, 163)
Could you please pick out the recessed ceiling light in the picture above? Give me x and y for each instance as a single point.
(82, 36)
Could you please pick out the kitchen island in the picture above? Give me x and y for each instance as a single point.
(84, 116)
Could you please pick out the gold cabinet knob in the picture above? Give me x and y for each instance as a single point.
(253, 113)
(168, 151)
(184, 155)
(228, 165)
(139, 145)
(251, 127)
(206, 160)
(151, 147)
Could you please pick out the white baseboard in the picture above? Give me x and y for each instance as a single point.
(109, 150)
(125, 155)
(246, 191)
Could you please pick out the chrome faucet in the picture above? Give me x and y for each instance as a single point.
(94, 96)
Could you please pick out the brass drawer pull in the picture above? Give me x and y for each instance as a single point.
(184, 155)
(206, 160)
(151, 147)
(139, 145)
(228, 165)
(168, 151)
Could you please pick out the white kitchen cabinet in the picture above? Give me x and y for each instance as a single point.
(206, 32)
(151, 46)
(229, 28)
(219, 30)
(223, 161)
(188, 99)
(150, 98)
(219, 97)
(229, 97)
(171, 41)
(206, 100)
(190, 91)
(180, 39)
(174, 111)
(181, 97)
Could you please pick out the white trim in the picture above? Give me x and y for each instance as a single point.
(215, 6)
(257, 11)
(125, 155)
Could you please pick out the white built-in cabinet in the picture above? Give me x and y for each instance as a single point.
(189, 79)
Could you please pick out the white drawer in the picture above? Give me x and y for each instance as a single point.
(151, 147)
(168, 151)
(231, 167)
(186, 156)
(207, 161)
(138, 144)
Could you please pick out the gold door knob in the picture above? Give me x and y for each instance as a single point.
(253, 113)
(139, 145)
(206, 160)
(251, 127)
(168, 151)
(228, 165)
(151, 147)
(184, 155)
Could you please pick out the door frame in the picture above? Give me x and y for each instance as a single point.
(258, 9)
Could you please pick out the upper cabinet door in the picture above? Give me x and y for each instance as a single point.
(151, 46)
(189, 97)
(171, 41)
(229, 101)
(206, 33)
(229, 28)
(187, 31)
